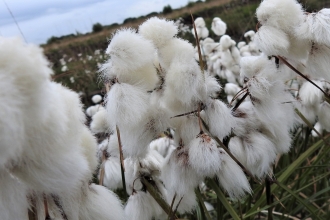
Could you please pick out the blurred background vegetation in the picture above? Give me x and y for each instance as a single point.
(82, 62)
(303, 188)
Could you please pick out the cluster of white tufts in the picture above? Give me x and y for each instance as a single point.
(153, 76)
(47, 154)
(302, 39)
(223, 57)
(161, 121)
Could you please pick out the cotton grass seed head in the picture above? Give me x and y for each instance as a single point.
(272, 41)
(159, 31)
(232, 178)
(280, 14)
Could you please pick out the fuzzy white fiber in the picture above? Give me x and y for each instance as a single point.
(311, 95)
(232, 89)
(131, 59)
(164, 146)
(126, 104)
(136, 138)
(245, 51)
(232, 178)
(237, 149)
(102, 204)
(318, 63)
(188, 202)
(112, 175)
(176, 50)
(96, 98)
(13, 197)
(318, 128)
(129, 50)
(256, 65)
(246, 119)
(159, 31)
(241, 44)
(199, 22)
(208, 47)
(250, 35)
(177, 173)
(230, 76)
(186, 80)
(235, 53)
(260, 153)
(100, 124)
(324, 116)
(309, 112)
(316, 27)
(298, 51)
(219, 118)
(202, 32)
(110, 145)
(225, 42)
(187, 130)
(272, 41)
(89, 146)
(132, 175)
(92, 110)
(218, 26)
(53, 146)
(22, 95)
(150, 165)
(204, 156)
(141, 206)
(53, 210)
(281, 14)
(213, 88)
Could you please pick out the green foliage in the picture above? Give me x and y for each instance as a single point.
(192, 3)
(54, 39)
(97, 27)
(167, 9)
(129, 20)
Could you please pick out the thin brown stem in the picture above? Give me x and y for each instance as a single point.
(122, 166)
(201, 63)
(172, 204)
(240, 92)
(240, 101)
(300, 74)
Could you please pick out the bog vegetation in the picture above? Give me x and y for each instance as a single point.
(221, 115)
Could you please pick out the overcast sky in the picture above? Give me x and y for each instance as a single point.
(41, 19)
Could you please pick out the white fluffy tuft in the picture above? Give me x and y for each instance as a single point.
(126, 104)
(13, 198)
(272, 41)
(219, 118)
(131, 59)
(218, 26)
(96, 99)
(232, 178)
(159, 31)
(281, 14)
(102, 204)
(204, 156)
(99, 123)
